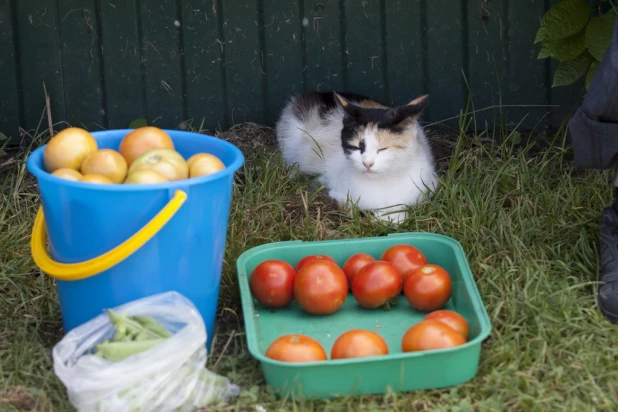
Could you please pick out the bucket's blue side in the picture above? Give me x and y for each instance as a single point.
(85, 220)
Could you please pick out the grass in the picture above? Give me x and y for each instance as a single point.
(527, 219)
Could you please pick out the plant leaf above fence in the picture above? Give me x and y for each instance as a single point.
(540, 35)
(3, 138)
(564, 49)
(572, 70)
(599, 34)
(565, 19)
(140, 122)
(546, 50)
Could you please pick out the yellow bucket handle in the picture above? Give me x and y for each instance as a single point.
(82, 270)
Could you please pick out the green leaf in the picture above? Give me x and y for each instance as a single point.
(564, 19)
(572, 70)
(545, 51)
(599, 34)
(591, 72)
(540, 35)
(515, 138)
(141, 122)
(564, 49)
(2, 138)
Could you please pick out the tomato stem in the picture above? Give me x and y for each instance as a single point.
(390, 303)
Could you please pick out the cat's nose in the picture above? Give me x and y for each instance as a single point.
(368, 164)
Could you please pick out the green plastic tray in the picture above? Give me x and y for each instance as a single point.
(396, 371)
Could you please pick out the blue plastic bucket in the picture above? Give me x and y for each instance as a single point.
(83, 221)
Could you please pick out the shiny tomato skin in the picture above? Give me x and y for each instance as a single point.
(311, 258)
(272, 283)
(296, 348)
(105, 162)
(143, 139)
(69, 174)
(429, 335)
(167, 162)
(404, 257)
(204, 164)
(452, 319)
(145, 177)
(96, 179)
(354, 264)
(376, 283)
(358, 343)
(68, 149)
(428, 288)
(320, 287)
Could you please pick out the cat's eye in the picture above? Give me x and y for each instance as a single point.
(382, 149)
(354, 148)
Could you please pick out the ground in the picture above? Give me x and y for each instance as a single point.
(527, 219)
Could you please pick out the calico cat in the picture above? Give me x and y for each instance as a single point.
(362, 151)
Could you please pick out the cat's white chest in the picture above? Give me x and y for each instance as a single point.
(404, 188)
(394, 191)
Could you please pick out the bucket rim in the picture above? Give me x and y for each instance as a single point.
(40, 173)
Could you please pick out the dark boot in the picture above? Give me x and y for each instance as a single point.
(594, 135)
(608, 290)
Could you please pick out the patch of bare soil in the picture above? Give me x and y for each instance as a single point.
(250, 136)
(50, 332)
(21, 399)
(442, 143)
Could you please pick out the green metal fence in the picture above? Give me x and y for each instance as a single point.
(105, 63)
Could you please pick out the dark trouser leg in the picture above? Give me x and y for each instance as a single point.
(594, 133)
(608, 237)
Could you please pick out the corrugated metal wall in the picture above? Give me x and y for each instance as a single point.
(107, 62)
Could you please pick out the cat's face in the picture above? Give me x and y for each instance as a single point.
(380, 140)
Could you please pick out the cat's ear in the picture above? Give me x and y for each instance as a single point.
(348, 107)
(409, 114)
(419, 104)
(342, 100)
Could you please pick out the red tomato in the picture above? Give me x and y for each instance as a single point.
(430, 334)
(311, 258)
(272, 283)
(428, 288)
(376, 283)
(320, 287)
(404, 257)
(358, 343)
(354, 264)
(296, 348)
(452, 319)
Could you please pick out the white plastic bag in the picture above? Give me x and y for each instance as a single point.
(170, 376)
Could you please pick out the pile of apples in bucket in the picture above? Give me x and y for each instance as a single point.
(145, 155)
